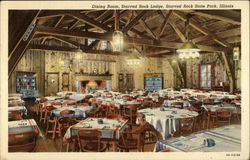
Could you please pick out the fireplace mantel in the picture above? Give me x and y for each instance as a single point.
(84, 77)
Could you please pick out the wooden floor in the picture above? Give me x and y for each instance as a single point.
(47, 144)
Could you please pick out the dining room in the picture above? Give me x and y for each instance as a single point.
(124, 80)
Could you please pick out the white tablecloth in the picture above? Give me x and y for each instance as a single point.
(22, 109)
(166, 121)
(109, 129)
(168, 103)
(213, 108)
(227, 139)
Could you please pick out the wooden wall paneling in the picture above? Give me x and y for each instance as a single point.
(65, 81)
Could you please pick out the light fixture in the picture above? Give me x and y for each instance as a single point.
(133, 59)
(117, 41)
(78, 51)
(188, 49)
(236, 53)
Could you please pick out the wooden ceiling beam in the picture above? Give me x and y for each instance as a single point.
(117, 19)
(144, 24)
(134, 21)
(74, 24)
(199, 28)
(104, 15)
(89, 21)
(55, 25)
(224, 34)
(66, 49)
(178, 32)
(108, 36)
(228, 16)
(51, 13)
(17, 53)
(164, 24)
(158, 52)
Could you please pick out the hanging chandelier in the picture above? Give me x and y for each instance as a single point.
(117, 41)
(133, 59)
(188, 49)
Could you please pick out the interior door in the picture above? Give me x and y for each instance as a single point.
(65, 81)
(52, 83)
(130, 82)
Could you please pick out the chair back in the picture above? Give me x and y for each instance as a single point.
(22, 141)
(42, 100)
(67, 112)
(89, 140)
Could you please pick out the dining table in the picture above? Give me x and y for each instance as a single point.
(226, 139)
(80, 111)
(169, 103)
(229, 107)
(109, 128)
(23, 125)
(166, 120)
(21, 109)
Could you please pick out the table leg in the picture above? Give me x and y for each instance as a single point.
(114, 146)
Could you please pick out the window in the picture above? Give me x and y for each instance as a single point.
(103, 44)
(206, 76)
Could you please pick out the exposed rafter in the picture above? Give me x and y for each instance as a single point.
(199, 28)
(178, 32)
(228, 16)
(128, 40)
(66, 49)
(134, 21)
(164, 24)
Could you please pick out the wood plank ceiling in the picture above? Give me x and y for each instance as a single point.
(153, 32)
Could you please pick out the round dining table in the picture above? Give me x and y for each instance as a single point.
(166, 120)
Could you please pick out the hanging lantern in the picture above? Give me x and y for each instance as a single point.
(117, 41)
(188, 49)
(133, 59)
(236, 53)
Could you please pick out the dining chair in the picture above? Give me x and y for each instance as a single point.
(177, 104)
(186, 126)
(89, 140)
(63, 124)
(237, 114)
(146, 103)
(41, 110)
(22, 141)
(51, 122)
(14, 115)
(12, 105)
(130, 113)
(224, 115)
(211, 119)
(133, 139)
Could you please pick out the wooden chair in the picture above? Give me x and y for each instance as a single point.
(63, 124)
(224, 115)
(51, 122)
(177, 104)
(159, 103)
(12, 105)
(42, 111)
(90, 141)
(130, 113)
(22, 141)
(211, 119)
(101, 111)
(146, 103)
(237, 114)
(15, 115)
(133, 140)
(186, 126)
